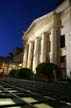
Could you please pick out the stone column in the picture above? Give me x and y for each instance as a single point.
(30, 55)
(44, 47)
(25, 56)
(36, 55)
(55, 40)
(53, 53)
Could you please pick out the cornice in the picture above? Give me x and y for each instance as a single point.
(36, 22)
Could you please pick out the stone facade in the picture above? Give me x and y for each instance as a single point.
(43, 38)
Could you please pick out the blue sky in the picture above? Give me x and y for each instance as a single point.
(16, 16)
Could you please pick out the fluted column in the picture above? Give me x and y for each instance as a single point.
(44, 47)
(30, 55)
(36, 55)
(25, 56)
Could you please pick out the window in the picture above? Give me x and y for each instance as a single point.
(62, 41)
(49, 46)
(63, 59)
(63, 66)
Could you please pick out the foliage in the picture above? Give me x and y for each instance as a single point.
(25, 73)
(48, 71)
(40, 69)
(12, 73)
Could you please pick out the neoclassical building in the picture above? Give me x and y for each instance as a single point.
(48, 39)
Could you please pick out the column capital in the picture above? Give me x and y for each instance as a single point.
(37, 38)
(31, 41)
(55, 14)
(45, 33)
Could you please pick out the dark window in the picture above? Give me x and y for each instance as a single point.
(63, 59)
(49, 46)
(62, 41)
(63, 66)
(63, 62)
(48, 59)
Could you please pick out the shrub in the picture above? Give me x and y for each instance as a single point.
(48, 71)
(12, 73)
(55, 71)
(25, 73)
(40, 70)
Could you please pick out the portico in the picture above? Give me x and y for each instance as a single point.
(41, 42)
(48, 39)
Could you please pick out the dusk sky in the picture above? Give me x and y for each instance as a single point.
(16, 16)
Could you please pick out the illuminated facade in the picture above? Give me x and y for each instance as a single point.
(3, 66)
(17, 59)
(13, 60)
(48, 39)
